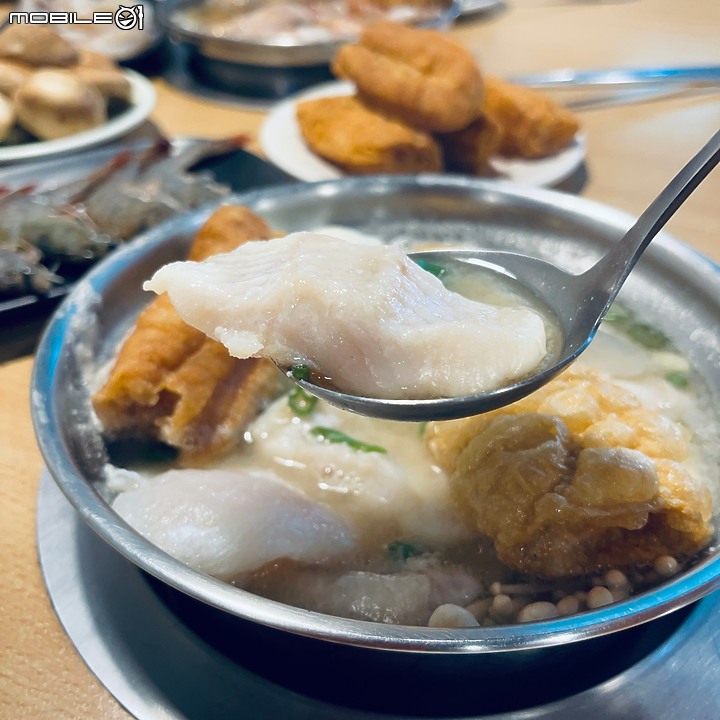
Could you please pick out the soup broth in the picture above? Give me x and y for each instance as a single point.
(355, 516)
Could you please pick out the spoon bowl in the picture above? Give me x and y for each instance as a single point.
(576, 303)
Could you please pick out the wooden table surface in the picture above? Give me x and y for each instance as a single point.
(632, 151)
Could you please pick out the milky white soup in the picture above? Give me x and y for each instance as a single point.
(352, 516)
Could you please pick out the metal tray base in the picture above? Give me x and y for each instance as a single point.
(157, 667)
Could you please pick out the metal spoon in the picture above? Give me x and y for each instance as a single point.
(578, 302)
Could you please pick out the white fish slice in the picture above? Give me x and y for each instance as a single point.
(366, 317)
(228, 523)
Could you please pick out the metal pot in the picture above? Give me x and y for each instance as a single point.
(672, 286)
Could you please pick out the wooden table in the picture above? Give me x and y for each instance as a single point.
(632, 151)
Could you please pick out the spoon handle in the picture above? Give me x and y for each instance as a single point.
(613, 269)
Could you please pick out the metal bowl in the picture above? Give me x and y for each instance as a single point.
(273, 54)
(672, 286)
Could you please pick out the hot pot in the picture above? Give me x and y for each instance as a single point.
(672, 286)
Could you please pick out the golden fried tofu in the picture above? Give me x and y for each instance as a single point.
(470, 150)
(360, 141)
(170, 382)
(574, 479)
(533, 125)
(421, 77)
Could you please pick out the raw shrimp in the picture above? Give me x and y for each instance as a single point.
(21, 271)
(80, 221)
(60, 232)
(156, 188)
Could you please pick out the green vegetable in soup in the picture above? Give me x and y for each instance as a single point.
(437, 270)
(300, 372)
(648, 336)
(336, 436)
(300, 402)
(642, 333)
(679, 379)
(618, 315)
(400, 550)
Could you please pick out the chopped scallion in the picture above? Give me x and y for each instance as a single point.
(679, 379)
(618, 314)
(648, 336)
(642, 333)
(300, 372)
(402, 550)
(437, 270)
(300, 402)
(337, 436)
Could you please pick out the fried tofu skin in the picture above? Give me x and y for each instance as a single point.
(574, 479)
(533, 125)
(172, 383)
(470, 150)
(360, 142)
(418, 76)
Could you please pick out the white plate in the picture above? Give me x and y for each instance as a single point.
(283, 145)
(142, 102)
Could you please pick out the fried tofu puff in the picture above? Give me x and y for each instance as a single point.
(418, 76)
(360, 141)
(470, 150)
(575, 478)
(171, 383)
(532, 124)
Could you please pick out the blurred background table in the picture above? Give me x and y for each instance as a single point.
(632, 151)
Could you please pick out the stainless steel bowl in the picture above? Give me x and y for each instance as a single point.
(672, 286)
(273, 53)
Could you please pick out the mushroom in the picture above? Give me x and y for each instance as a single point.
(36, 45)
(111, 82)
(56, 103)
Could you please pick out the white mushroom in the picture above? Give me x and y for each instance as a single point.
(37, 45)
(599, 596)
(56, 103)
(110, 82)
(452, 616)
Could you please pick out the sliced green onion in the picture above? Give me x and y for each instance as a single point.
(618, 314)
(300, 372)
(648, 336)
(422, 427)
(402, 550)
(301, 402)
(336, 436)
(437, 270)
(679, 379)
(642, 333)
